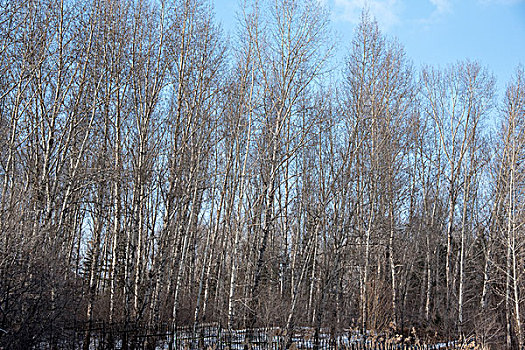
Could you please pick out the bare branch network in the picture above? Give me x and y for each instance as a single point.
(153, 172)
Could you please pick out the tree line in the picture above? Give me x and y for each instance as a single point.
(154, 170)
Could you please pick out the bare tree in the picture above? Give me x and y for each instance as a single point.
(510, 185)
(458, 98)
(380, 94)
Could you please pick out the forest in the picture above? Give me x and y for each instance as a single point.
(154, 169)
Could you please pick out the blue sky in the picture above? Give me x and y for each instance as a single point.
(434, 32)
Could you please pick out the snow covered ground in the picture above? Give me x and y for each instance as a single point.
(215, 337)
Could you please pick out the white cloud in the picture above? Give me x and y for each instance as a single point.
(442, 6)
(384, 11)
(501, 2)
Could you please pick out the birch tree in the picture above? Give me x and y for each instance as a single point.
(512, 216)
(380, 92)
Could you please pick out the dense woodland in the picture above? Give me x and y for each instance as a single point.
(154, 169)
